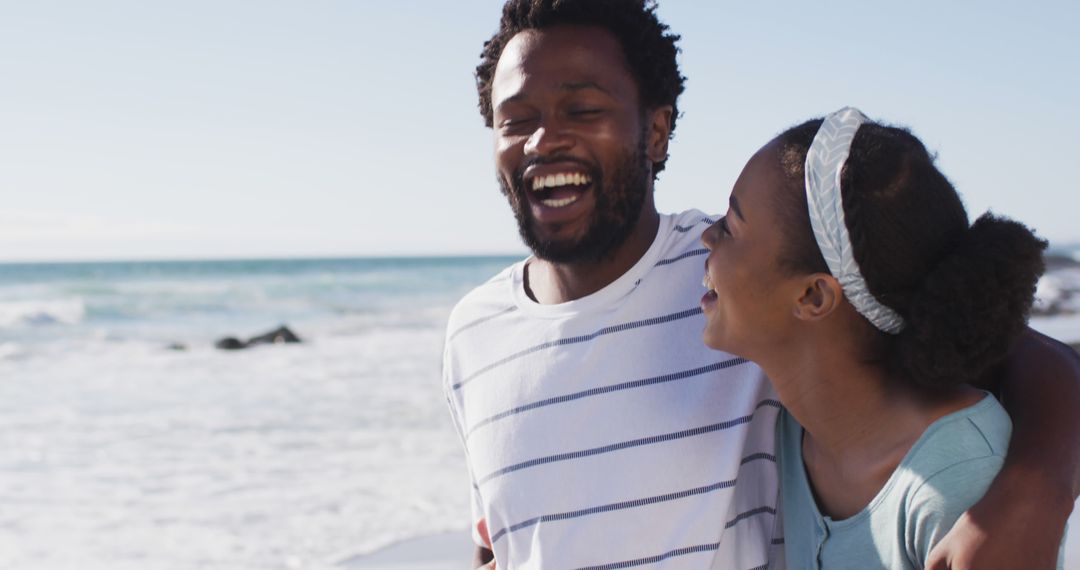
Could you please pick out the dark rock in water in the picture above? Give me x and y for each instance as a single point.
(281, 334)
(177, 346)
(230, 343)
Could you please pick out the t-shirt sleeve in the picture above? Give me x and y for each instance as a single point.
(475, 502)
(936, 505)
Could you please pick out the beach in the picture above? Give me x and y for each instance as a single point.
(445, 552)
(128, 441)
(1072, 542)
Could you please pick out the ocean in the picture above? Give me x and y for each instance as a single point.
(128, 441)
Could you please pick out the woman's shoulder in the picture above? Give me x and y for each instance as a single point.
(950, 469)
(979, 431)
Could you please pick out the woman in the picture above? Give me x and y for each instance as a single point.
(846, 268)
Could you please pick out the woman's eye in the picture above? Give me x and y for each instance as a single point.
(723, 225)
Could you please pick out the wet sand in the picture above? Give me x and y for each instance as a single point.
(453, 551)
(447, 551)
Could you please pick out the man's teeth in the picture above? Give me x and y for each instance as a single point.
(561, 179)
(551, 203)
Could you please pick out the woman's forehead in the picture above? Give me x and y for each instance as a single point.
(760, 182)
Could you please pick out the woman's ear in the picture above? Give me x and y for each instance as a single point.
(821, 295)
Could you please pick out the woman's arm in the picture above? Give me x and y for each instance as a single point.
(1020, 521)
(483, 558)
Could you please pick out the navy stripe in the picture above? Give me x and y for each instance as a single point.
(577, 339)
(480, 321)
(684, 255)
(778, 540)
(748, 514)
(628, 504)
(651, 440)
(658, 558)
(757, 456)
(684, 229)
(685, 550)
(607, 390)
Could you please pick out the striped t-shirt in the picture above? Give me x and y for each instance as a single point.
(602, 433)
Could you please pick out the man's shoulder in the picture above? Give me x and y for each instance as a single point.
(693, 218)
(684, 232)
(491, 295)
(676, 260)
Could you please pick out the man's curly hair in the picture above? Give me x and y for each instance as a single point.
(649, 49)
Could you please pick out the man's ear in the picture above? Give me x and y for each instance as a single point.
(821, 295)
(659, 132)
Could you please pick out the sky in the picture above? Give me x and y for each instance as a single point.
(243, 128)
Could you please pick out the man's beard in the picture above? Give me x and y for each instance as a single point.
(618, 204)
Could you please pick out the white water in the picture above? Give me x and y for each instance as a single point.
(128, 456)
(117, 453)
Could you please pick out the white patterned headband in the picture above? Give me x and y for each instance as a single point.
(824, 164)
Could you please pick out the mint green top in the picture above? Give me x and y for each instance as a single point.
(945, 472)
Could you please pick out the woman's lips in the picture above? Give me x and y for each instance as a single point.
(708, 299)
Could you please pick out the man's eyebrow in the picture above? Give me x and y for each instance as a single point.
(735, 207)
(573, 86)
(511, 99)
(580, 85)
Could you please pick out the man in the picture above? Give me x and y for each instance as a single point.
(599, 431)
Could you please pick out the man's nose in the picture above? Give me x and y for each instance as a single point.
(548, 139)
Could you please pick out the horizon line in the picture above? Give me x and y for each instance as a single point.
(243, 258)
(1070, 248)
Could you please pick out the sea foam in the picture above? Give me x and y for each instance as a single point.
(117, 452)
(33, 312)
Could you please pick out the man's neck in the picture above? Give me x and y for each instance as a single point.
(550, 283)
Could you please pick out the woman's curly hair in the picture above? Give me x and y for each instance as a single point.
(964, 291)
(649, 48)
